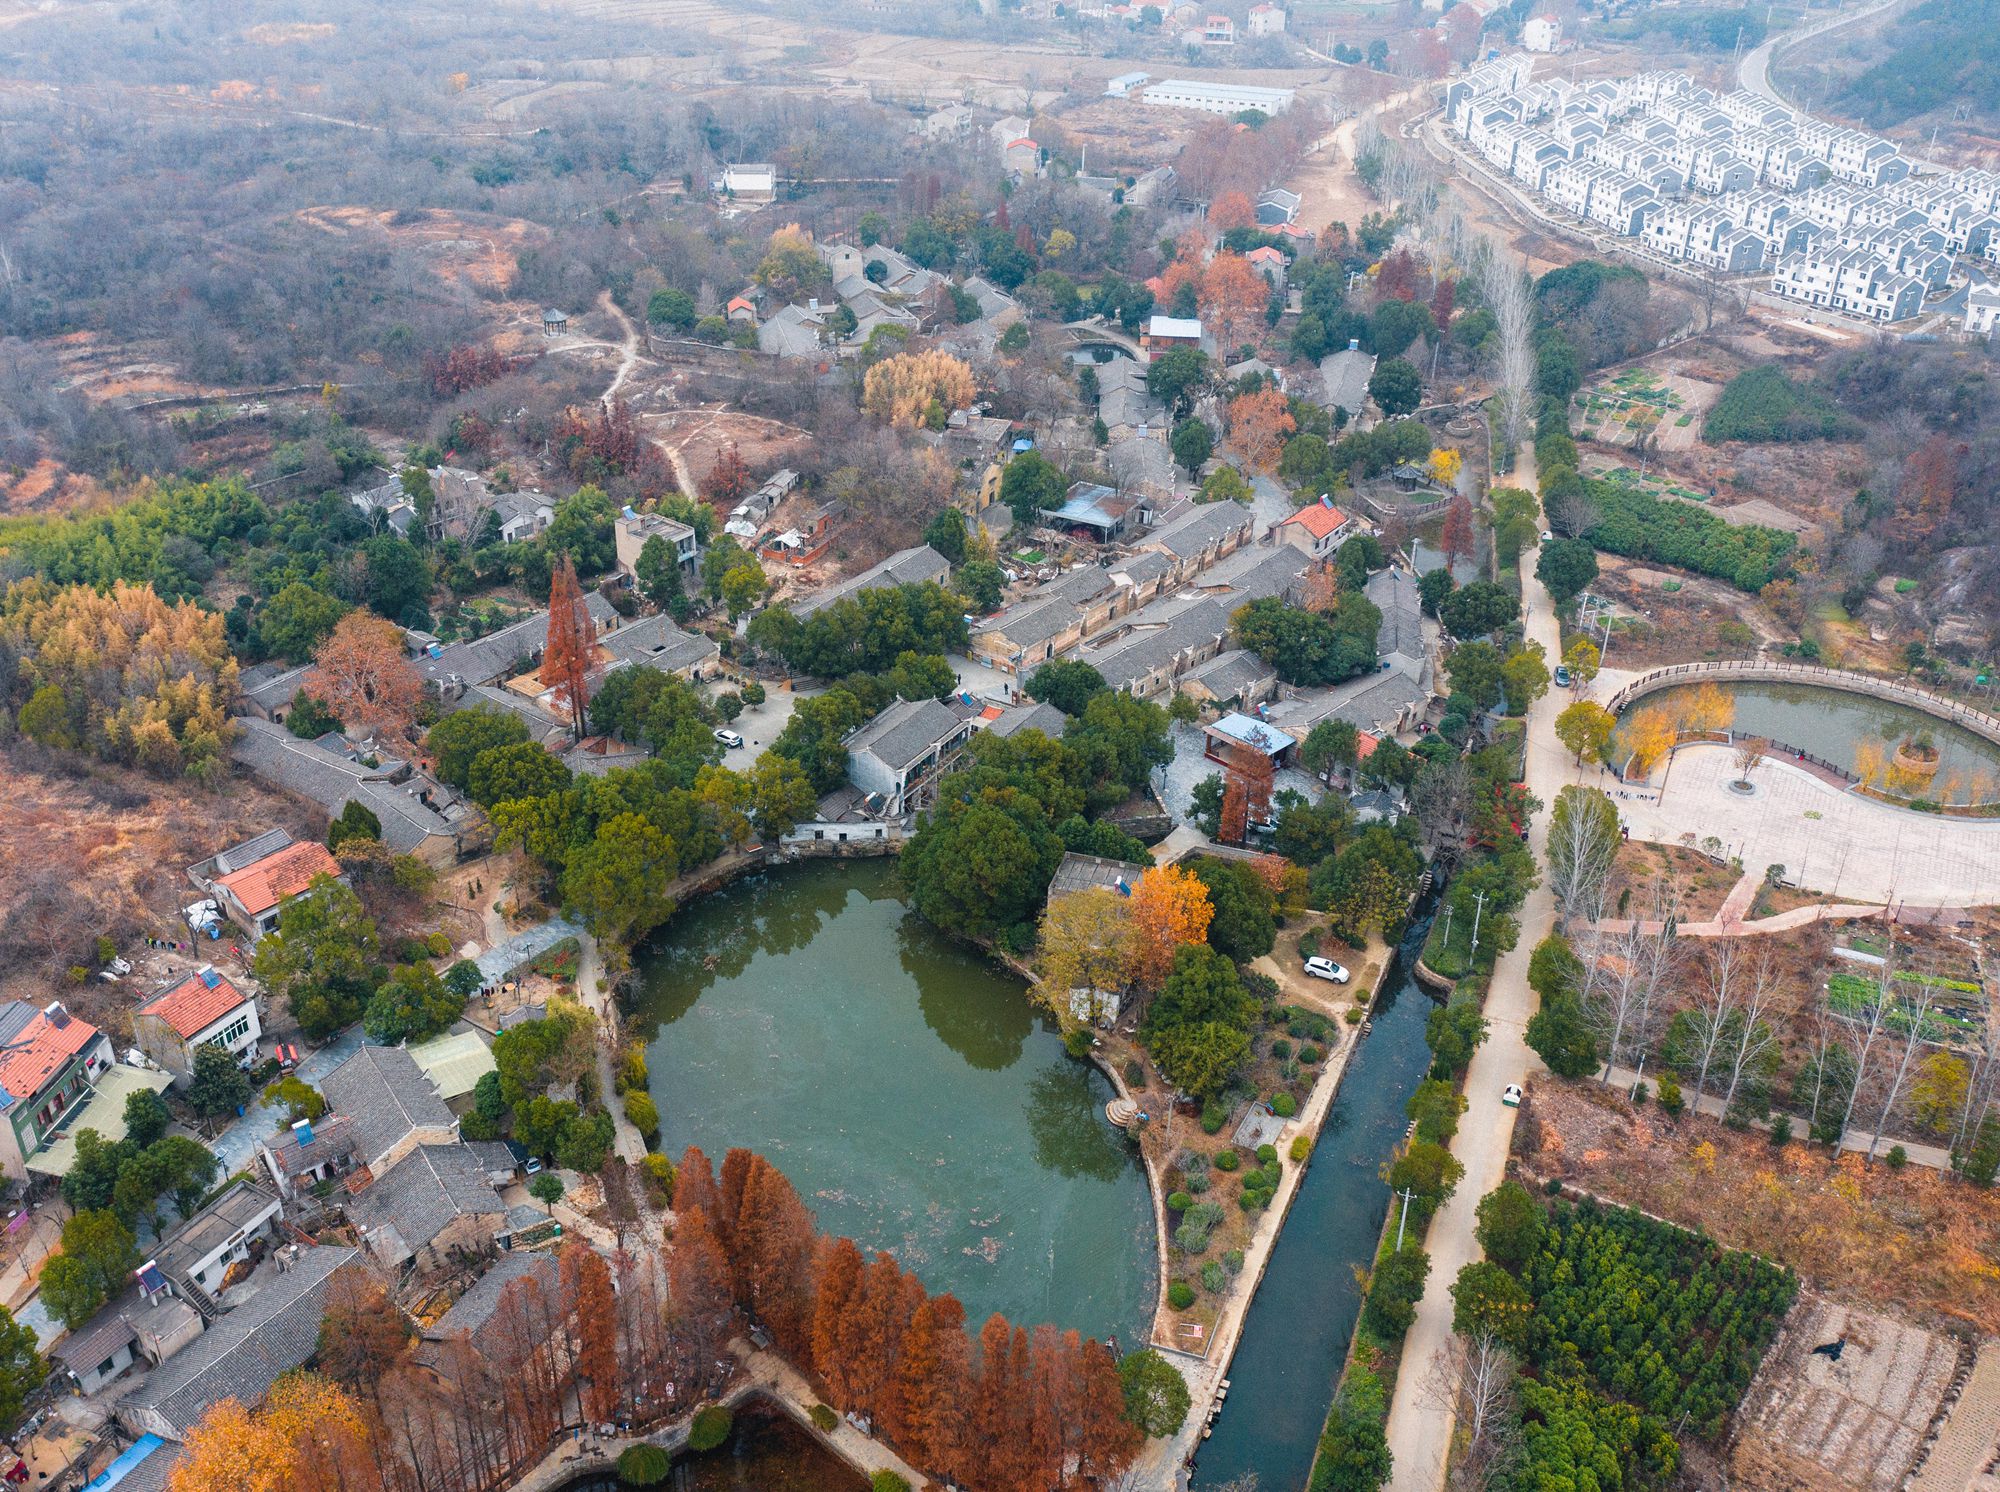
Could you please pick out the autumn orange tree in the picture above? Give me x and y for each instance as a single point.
(363, 675)
(1455, 539)
(306, 1427)
(1258, 425)
(1169, 908)
(1231, 210)
(592, 1311)
(568, 657)
(914, 388)
(1026, 1412)
(1232, 298)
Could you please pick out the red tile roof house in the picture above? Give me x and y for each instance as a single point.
(1319, 529)
(255, 879)
(203, 1009)
(49, 1064)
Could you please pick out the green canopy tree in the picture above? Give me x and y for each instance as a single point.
(1067, 683)
(1031, 483)
(1156, 1395)
(461, 736)
(22, 1370)
(413, 1004)
(618, 882)
(320, 958)
(218, 1085)
(519, 770)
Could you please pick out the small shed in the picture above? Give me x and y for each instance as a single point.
(554, 322)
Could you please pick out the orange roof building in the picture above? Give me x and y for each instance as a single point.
(204, 1009)
(1318, 528)
(253, 894)
(49, 1060)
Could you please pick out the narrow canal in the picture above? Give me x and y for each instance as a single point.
(1296, 1337)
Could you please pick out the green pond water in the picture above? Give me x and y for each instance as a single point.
(1830, 724)
(907, 1088)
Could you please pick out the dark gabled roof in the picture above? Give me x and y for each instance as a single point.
(1208, 524)
(383, 1095)
(421, 1196)
(1045, 718)
(472, 1310)
(905, 567)
(244, 1352)
(276, 756)
(905, 731)
(655, 642)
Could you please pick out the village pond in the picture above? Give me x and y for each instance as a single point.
(1848, 729)
(765, 1452)
(914, 1096)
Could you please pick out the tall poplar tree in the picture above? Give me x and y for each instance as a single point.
(567, 659)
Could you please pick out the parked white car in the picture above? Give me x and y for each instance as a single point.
(1511, 1095)
(728, 738)
(1327, 969)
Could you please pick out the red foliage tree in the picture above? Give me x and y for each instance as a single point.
(1456, 538)
(774, 1242)
(463, 368)
(699, 1285)
(837, 1285)
(729, 481)
(1231, 210)
(593, 1310)
(569, 655)
(932, 1381)
(694, 1184)
(1443, 300)
(1400, 277)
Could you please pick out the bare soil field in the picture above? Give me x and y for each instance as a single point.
(1646, 876)
(470, 249)
(1857, 1422)
(103, 854)
(694, 440)
(1912, 1239)
(1701, 619)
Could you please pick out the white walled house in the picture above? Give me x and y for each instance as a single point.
(204, 1009)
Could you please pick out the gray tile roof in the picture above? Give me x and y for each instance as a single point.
(905, 732)
(251, 850)
(420, 1197)
(481, 660)
(1161, 638)
(1344, 379)
(542, 726)
(1394, 592)
(275, 755)
(1227, 675)
(241, 1355)
(270, 686)
(1142, 463)
(1082, 872)
(1205, 527)
(1029, 622)
(1122, 398)
(1142, 569)
(1371, 703)
(793, 332)
(1255, 573)
(1047, 719)
(332, 1135)
(472, 1310)
(99, 1337)
(384, 1095)
(905, 567)
(655, 642)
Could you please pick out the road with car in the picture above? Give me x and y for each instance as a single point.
(1420, 1418)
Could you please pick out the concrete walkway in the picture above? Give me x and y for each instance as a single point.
(1828, 840)
(1777, 922)
(1420, 1421)
(1857, 1140)
(764, 1374)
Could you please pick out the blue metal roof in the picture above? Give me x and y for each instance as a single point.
(127, 1462)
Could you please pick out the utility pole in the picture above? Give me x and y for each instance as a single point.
(1478, 908)
(1406, 1194)
(1447, 924)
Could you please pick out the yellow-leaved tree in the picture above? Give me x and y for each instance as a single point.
(917, 387)
(1169, 907)
(307, 1428)
(1086, 946)
(121, 673)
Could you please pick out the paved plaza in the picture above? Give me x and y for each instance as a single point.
(1829, 840)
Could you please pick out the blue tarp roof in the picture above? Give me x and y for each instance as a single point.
(127, 1462)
